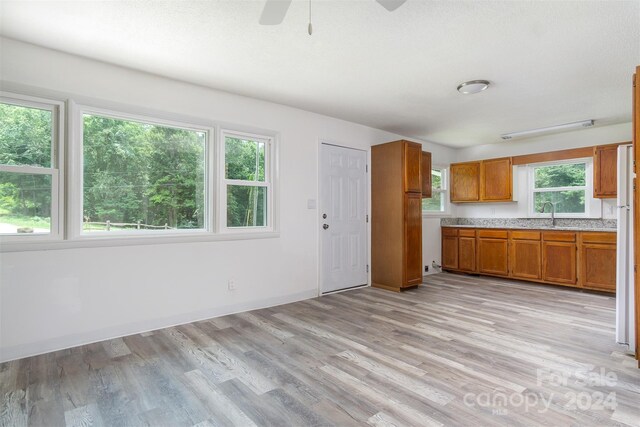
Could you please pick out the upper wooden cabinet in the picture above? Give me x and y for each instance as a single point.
(482, 181)
(496, 182)
(465, 182)
(605, 171)
(412, 168)
(426, 174)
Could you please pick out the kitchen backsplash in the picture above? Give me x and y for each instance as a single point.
(531, 222)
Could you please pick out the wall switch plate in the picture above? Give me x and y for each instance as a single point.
(232, 285)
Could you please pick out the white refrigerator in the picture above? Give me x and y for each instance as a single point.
(625, 297)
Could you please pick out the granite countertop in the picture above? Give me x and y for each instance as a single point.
(562, 224)
(515, 227)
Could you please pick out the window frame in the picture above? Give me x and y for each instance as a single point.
(55, 170)
(444, 170)
(76, 206)
(593, 207)
(269, 172)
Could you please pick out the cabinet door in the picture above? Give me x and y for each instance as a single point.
(426, 174)
(559, 262)
(449, 252)
(465, 182)
(496, 180)
(413, 238)
(598, 263)
(493, 256)
(467, 254)
(412, 172)
(526, 259)
(605, 171)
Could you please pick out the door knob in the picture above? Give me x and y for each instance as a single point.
(325, 226)
(324, 216)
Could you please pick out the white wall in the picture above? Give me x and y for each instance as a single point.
(60, 298)
(582, 138)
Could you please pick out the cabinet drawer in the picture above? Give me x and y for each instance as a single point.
(525, 235)
(447, 231)
(466, 232)
(599, 237)
(559, 236)
(493, 234)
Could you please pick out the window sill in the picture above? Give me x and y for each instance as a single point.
(101, 242)
(435, 214)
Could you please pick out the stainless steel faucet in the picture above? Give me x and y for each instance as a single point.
(553, 212)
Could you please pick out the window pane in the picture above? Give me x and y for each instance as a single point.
(25, 136)
(569, 175)
(436, 179)
(434, 203)
(142, 176)
(246, 206)
(244, 159)
(25, 203)
(566, 201)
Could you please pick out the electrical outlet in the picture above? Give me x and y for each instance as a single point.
(232, 285)
(426, 268)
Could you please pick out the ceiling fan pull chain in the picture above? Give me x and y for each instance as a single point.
(310, 27)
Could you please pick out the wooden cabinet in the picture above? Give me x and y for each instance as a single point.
(559, 257)
(493, 252)
(449, 248)
(576, 259)
(396, 215)
(467, 250)
(483, 181)
(525, 256)
(605, 171)
(598, 261)
(426, 174)
(465, 182)
(412, 167)
(413, 239)
(496, 181)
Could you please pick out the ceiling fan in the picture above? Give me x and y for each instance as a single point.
(275, 10)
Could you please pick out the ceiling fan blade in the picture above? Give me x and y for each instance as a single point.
(274, 12)
(391, 5)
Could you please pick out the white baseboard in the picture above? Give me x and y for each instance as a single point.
(74, 340)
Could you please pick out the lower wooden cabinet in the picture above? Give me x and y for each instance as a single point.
(413, 239)
(578, 259)
(598, 257)
(467, 253)
(526, 259)
(493, 256)
(559, 262)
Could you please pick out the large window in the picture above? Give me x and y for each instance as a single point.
(566, 185)
(246, 191)
(141, 176)
(29, 175)
(438, 203)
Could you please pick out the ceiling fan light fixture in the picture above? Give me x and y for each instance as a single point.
(473, 86)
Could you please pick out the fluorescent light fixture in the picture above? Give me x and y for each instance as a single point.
(556, 128)
(473, 86)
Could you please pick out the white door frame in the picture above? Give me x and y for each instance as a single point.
(325, 141)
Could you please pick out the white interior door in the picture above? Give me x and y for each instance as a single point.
(343, 217)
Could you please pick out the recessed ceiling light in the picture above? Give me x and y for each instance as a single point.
(473, 86)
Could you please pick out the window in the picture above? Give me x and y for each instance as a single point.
(438, 203)
(142, 177)
(246, 187)
(29, 174)
(567, 185)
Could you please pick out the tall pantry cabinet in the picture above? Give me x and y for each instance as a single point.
(396, 217)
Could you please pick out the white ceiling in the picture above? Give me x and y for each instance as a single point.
(550, 62)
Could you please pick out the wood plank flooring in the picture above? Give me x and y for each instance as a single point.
(458, 350)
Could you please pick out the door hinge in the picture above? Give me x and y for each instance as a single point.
(367, 218)
(367, 268)
(366, 168)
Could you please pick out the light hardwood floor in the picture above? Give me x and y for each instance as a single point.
(458, 350)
